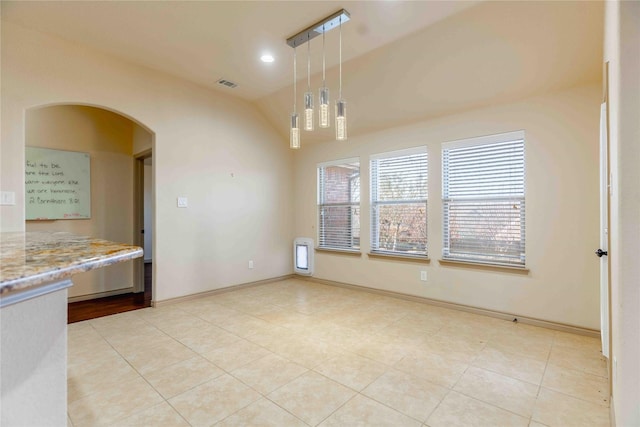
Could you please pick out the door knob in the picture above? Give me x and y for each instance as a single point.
(600, 252)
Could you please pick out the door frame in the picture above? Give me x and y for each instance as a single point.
(605, 100)
(138, 217)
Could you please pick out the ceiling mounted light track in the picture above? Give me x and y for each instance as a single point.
(305, 36)
(320, 27)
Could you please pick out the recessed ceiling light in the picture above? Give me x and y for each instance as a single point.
(267, 58)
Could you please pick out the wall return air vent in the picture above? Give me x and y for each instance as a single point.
(227, 83)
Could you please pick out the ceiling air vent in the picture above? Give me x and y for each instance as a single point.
(227, 83)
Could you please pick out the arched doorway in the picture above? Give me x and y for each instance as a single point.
(112, 141)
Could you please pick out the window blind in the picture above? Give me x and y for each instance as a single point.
(484, 200)
(399, 202)
(339, 205)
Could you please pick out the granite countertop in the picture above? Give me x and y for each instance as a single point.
(30, 259)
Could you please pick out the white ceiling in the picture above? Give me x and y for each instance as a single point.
(204, 41)
(403, 61)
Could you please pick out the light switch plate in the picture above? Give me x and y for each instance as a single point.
(182, 202)
(7, 198)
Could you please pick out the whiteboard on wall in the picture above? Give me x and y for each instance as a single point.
(57, 184)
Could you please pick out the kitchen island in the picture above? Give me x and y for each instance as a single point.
(35, 272)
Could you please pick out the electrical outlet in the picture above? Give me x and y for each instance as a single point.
(423, 275)
(250, 264)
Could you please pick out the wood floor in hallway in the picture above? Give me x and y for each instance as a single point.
(99, 307)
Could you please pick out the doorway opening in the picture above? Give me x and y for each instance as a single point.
(141, 296)
(109, 139)
(143, 193)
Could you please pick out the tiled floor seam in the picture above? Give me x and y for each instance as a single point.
(575, 397)
(364, 334)
(400, 412)
(177, 412)
(275, 389)
(546, 365)
(239, 409)
(338, 408)
(438, 405)
(492, 404)
(284, 409)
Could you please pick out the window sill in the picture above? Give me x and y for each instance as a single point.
(411, 258)
(340, 251)
(482, 266)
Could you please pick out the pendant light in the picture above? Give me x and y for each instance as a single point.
(308, 96)
(319, 28)
(323, 93)
(294, 137)
(341, 104)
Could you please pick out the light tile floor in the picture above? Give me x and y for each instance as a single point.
(297, 353)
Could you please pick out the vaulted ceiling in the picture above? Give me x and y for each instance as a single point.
(403, 60)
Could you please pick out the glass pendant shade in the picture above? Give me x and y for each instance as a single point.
(332, 21)
(323, 110)
(294, 137)
(308, 111)
(341, 120)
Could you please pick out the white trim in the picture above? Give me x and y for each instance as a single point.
(399, 153)
(466, 308)
(341, 162)
(231, 288)
(97, 295)
(481, 140)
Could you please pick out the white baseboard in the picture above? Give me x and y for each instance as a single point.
(612, 413)
(460, 307)
(100, 295)
(218, 291)
(475, 310)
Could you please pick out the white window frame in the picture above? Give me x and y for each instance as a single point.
(375, 203)
(321, 205)
(515, 197)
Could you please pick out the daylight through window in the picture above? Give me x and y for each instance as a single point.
(339, 205)
(483, 188)
(399, 202)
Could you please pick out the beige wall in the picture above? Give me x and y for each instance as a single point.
(108, 138)
(622, 50)
(142, 139)
(216, 150)
(561, 210)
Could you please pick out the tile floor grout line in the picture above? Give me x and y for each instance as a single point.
(277, 388)
(291, 291)
(489, 403)
(574, 397)
(338, 408)
(449, 391)
(386, 405)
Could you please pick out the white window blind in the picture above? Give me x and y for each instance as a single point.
(399, 202)
(484, 200)
(339, 205)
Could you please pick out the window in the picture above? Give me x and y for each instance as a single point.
(399, 202)
(339, 205)
(483, 199)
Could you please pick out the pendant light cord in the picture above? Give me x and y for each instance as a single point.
(340, 91)
(323, 64)
(295, 95)
(308, 63)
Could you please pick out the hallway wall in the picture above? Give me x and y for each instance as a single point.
(108, 138)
